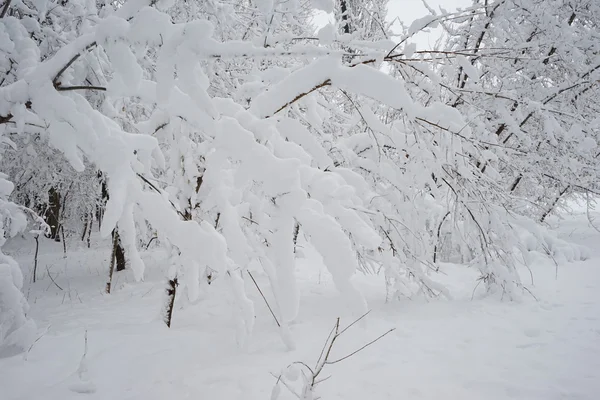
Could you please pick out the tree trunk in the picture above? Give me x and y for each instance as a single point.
(85, 227)
(111, 268)
(35, 261)
(171, 291)
(90, 229)
(53, 214)
(296, 232)
(102, 204)
(62, 232)
(119, 251)
(345, 19)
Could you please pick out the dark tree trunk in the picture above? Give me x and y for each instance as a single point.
(171, 291)
(85, 227)
(62, 232)
(35, 257)
(345, 19)
(89, 233)
(119, 251)
(104, 198)
(53, 214)
(111, 268)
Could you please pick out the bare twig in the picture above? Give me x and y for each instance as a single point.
(353, 323)
(529, 291)
(35, 341)
(475, 288)
(361, 348)
(52, 279)
(264, 298)
(35, 257)
(150, 242)
(326, 342)
(439, 231)
(61, 88)
(327, 82)
(146, 181)
(287, 385)
(55, 81)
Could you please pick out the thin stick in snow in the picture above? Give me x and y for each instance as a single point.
(52, 279)
(84, 385)
(90, 229)
(264, 298)
(35, 341)
(35, 257)
(361, 348)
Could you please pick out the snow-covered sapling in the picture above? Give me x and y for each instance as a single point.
(84, 383)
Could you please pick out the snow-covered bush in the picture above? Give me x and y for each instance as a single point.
(17, 330)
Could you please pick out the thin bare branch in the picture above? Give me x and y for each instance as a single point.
(264, 298)
(361, 348)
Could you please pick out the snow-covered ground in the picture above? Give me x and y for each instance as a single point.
(480, 349)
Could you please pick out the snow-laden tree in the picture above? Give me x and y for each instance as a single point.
(472, 177)
(230, 129)
(528, 78)
(17, 330)
(43, 178)
(242, 148)
(526, 74)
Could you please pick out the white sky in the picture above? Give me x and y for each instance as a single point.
(409, 10)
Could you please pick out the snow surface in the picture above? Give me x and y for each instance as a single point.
(459, 349)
